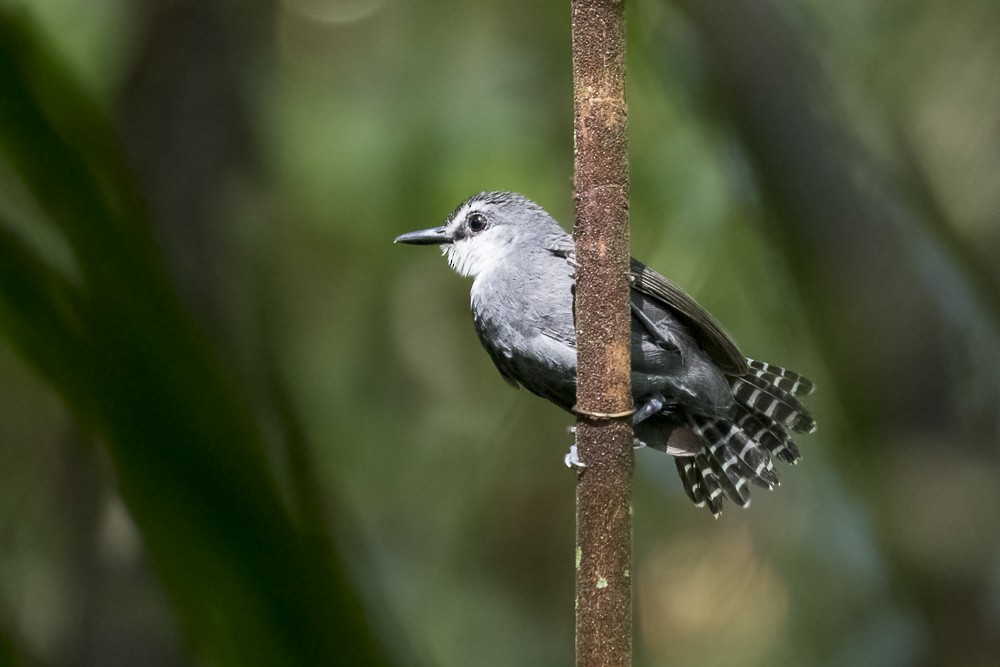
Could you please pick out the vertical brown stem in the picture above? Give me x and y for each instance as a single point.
(604, 397)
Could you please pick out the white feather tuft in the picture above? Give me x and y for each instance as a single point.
(473, 255)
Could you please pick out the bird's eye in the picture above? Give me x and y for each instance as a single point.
(476, 222)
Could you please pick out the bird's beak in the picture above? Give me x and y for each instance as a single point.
(435, 236)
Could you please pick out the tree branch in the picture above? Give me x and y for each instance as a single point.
(604, 396)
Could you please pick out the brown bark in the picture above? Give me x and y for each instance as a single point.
(604, 397)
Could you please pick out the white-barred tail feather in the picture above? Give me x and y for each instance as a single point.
(737, 451)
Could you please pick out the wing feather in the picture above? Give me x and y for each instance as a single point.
(712, 337)
(706, 329)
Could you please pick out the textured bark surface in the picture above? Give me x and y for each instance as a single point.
(604, 400)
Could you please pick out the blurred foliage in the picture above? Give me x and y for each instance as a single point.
(219, 367)
(251, 584)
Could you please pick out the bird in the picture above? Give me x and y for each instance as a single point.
(722, 416)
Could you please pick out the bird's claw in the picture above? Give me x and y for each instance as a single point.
(572, 459)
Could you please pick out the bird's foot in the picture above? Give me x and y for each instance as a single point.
(572, 459)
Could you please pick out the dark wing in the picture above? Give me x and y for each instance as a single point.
(706, 329)
(719, 345)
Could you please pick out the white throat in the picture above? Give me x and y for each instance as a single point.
(472, 256)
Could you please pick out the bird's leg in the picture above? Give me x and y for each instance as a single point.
(654, 403)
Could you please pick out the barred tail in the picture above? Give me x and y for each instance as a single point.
(737, 450)
(755, 393)
(782, 378)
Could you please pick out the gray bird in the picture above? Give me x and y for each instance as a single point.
(721, 415)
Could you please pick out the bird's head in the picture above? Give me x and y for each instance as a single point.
(485, 229)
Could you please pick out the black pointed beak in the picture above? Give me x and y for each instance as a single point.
(435, 236)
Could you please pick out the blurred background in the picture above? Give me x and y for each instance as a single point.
(239, 426)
